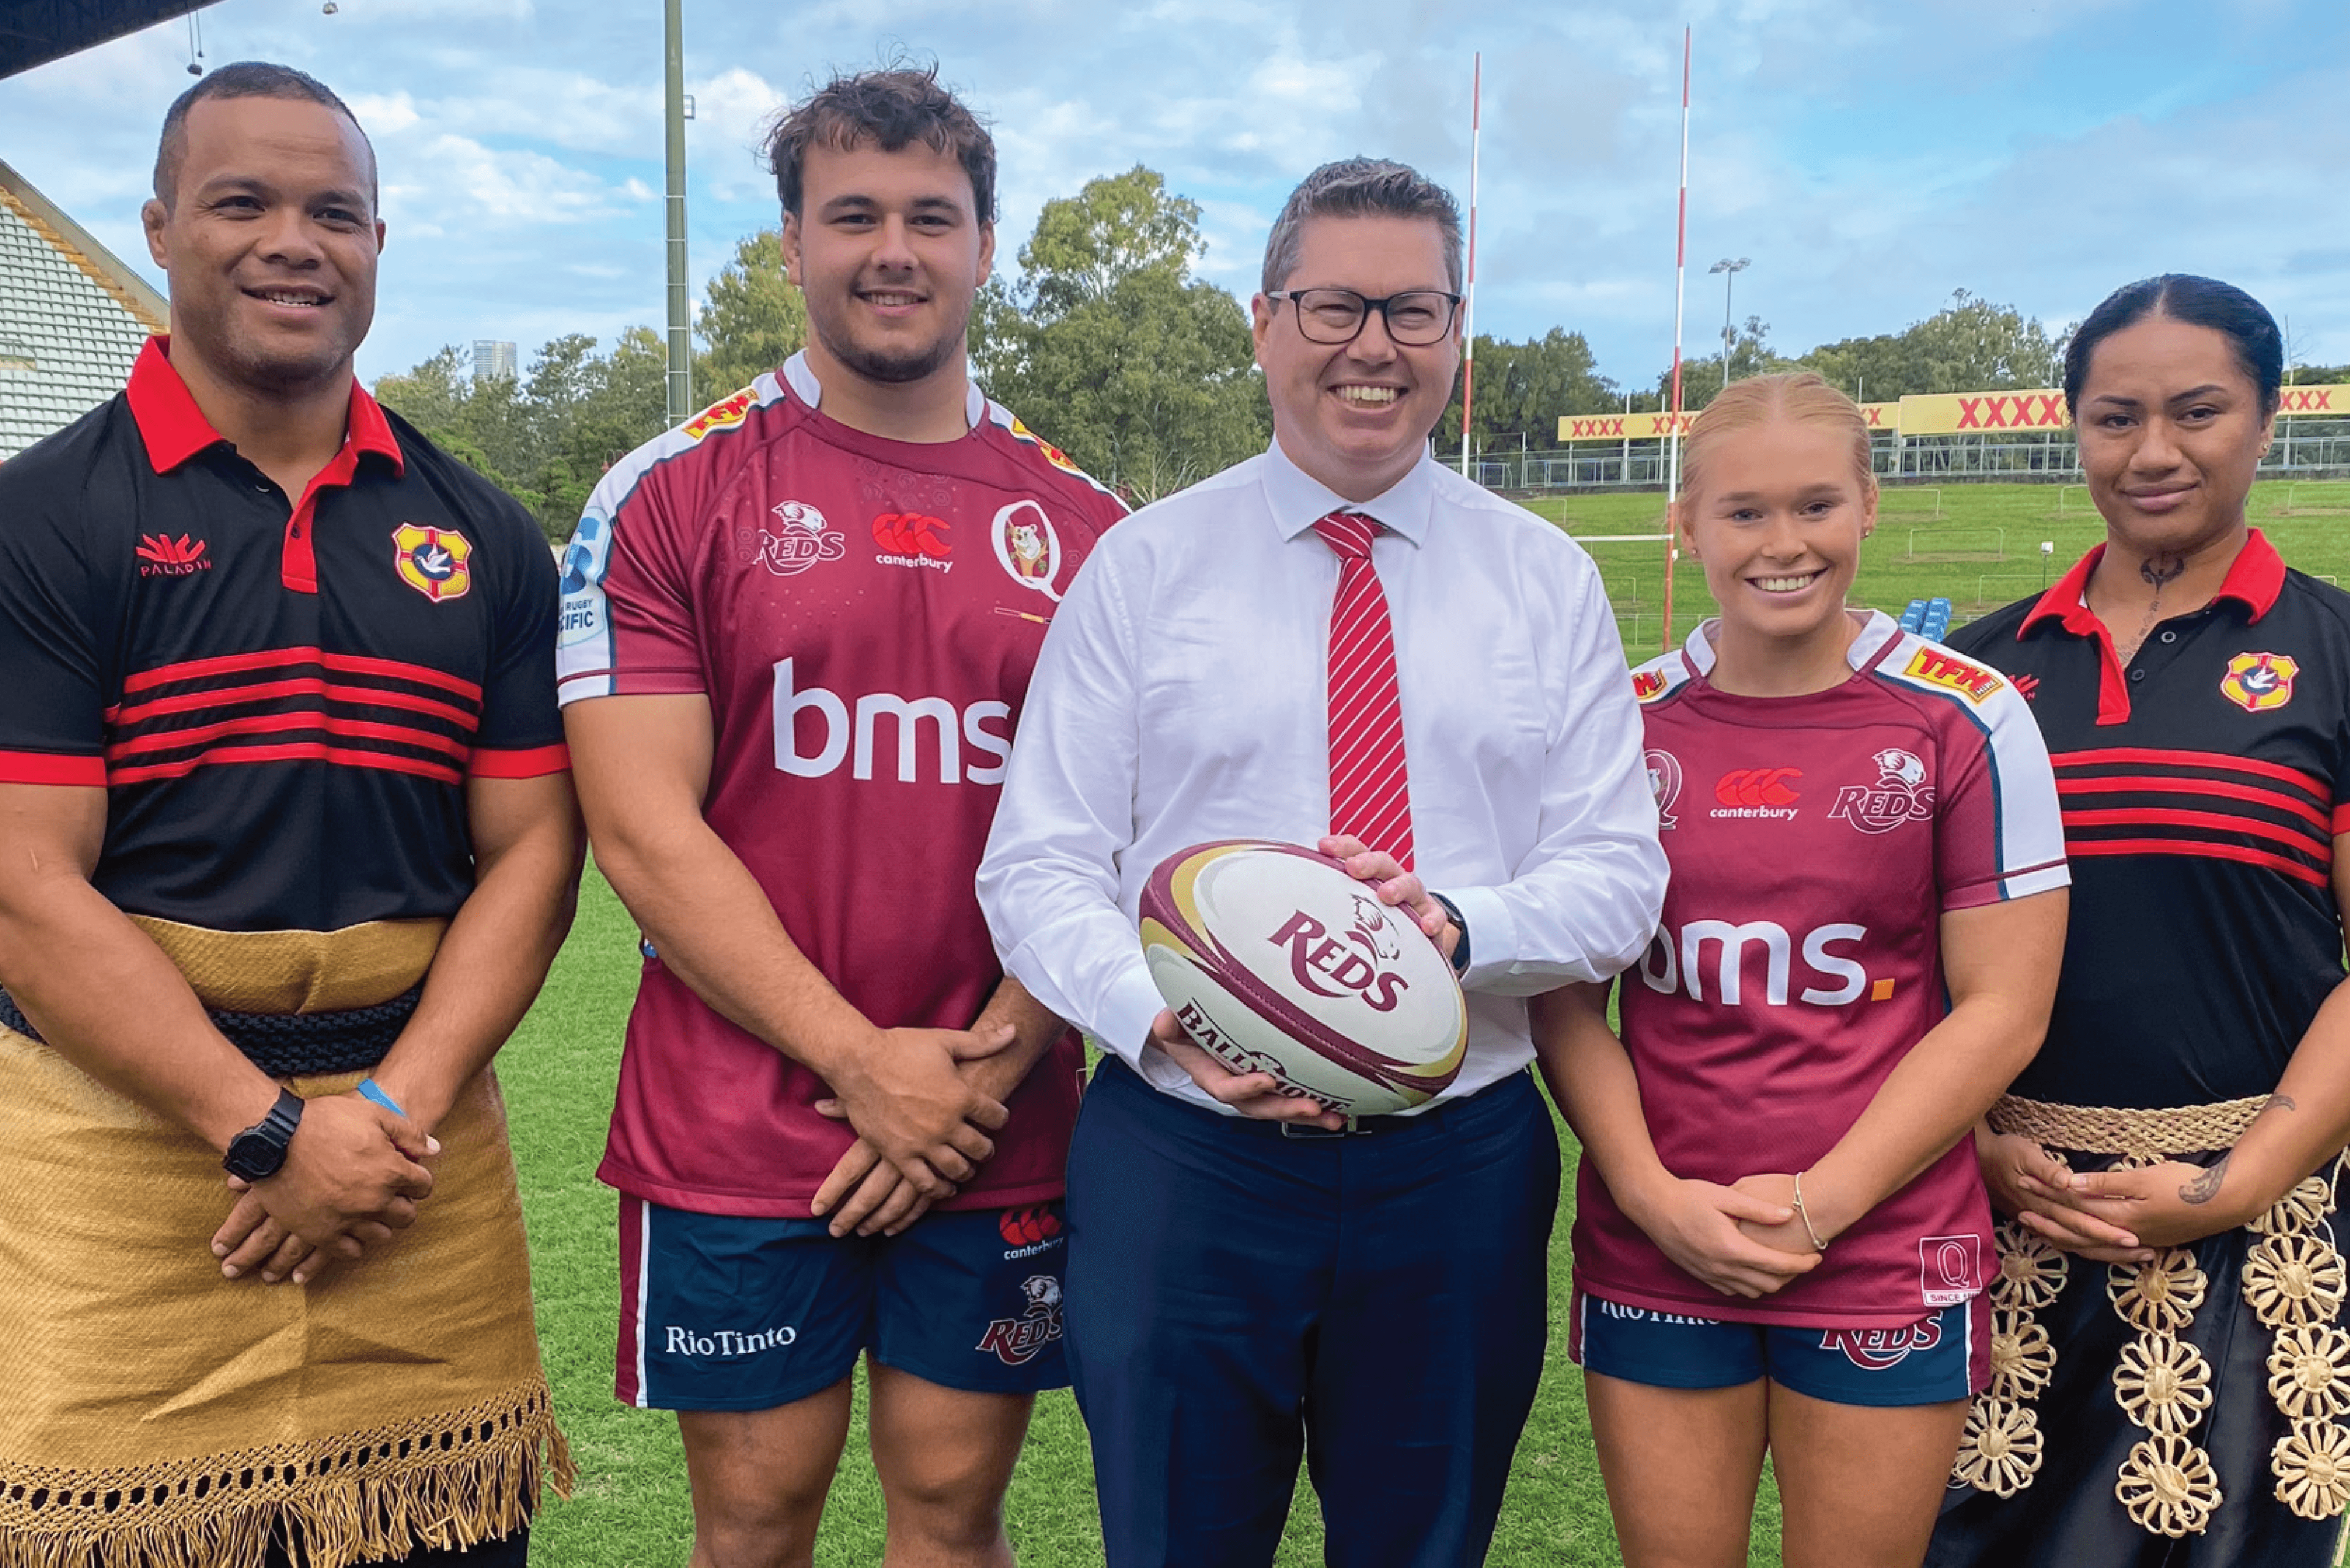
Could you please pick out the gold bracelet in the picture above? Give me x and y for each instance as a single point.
(1818, 1245)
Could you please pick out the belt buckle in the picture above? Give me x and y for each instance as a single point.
(1308, 1130)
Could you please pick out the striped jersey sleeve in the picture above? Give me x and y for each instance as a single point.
(1999, 832)
(627, 623)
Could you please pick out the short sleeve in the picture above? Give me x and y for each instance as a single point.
(521, 733)
(53, 702)
(1998, 831)
(627, 626)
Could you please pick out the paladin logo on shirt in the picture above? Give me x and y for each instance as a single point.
(432, 561)
(804, 539)
(162, 556)
(1900, 794)
(1018, 1340)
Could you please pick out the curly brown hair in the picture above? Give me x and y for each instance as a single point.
(891, 110)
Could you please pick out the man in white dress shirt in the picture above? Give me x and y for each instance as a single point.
(1246, 1273)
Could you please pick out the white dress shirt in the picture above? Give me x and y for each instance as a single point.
(1180, 697)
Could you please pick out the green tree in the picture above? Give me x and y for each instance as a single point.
(1107, 345)
(1117, 226)
(1970, 345)
(1751, 355)
(1521, 389)
(753, 319)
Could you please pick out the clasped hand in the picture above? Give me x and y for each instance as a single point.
(353, 1175)
(1743, 1239)
(2118, 1216)
(921, 1125)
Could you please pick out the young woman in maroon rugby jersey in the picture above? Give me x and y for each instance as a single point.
(1782, 1240)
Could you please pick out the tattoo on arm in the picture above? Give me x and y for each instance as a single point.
(2205, 1187)
(2279, 1103)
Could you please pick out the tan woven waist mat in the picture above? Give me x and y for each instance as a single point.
(2123, 1130)
(298, 971)
(158, 1415)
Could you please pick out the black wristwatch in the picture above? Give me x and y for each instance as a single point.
(1459, 948)
(258, 1152)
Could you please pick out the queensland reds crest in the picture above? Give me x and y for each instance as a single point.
(432, 561)
(1028, 548)
(2259, 682)
(1664, 783)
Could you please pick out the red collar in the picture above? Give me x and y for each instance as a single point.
(2254, 579)
(175, 429)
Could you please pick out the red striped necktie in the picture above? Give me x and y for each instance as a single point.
(1371, 790)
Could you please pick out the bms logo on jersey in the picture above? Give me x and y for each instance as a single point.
(843, 733)
(1709, 960)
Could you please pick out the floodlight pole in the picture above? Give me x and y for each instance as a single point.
(1469, 308)
(1730, 271)
(681, 303)
(1680, 296)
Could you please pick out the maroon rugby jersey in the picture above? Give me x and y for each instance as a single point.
(863, 615)
(1815, 842)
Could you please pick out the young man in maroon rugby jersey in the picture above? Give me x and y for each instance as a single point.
(797, 634)
(1780, 1239)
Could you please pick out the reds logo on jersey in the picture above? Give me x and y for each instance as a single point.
(803, 539)
(1018, 1340)
(1028, 548)
(2259, 683)
(1900, 794)
(1876, 1349)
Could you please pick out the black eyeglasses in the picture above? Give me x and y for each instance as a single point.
(1334, 316)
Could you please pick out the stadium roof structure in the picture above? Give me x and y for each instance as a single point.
(35, 32)
(72, 316)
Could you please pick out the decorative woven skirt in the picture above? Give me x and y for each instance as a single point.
(155, 1415)
(2193, 1410)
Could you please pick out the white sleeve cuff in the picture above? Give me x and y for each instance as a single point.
(1127, 1013)
(1492, 932)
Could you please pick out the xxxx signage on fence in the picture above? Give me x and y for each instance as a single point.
(2036, 410)
(1653, 427)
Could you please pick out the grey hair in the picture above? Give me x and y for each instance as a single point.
(1362, 188)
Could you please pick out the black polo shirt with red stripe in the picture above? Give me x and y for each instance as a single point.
(282, 696)
(2203, 786)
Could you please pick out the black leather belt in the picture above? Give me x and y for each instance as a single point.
(293, 1045)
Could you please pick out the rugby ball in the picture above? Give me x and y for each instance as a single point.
(1275, 960)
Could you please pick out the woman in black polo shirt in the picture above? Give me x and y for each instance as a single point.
(2170, 1357)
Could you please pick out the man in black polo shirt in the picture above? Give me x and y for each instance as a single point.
(288, 843)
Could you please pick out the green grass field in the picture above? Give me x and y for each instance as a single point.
(631, 1510)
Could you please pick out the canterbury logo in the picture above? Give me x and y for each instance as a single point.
(1757, 786)
(911, 533)
(170, 557)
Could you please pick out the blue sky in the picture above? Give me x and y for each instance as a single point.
(1869, 157)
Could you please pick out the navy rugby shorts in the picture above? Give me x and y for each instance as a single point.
(1944, 1355)
(723, 1313)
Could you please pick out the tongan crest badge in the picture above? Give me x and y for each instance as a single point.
(2259, 682)
(432, 561)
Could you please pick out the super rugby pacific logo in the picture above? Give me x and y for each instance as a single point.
(1900, 794)
(1349, 962)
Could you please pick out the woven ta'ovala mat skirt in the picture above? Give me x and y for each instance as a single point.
(155, 1415)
